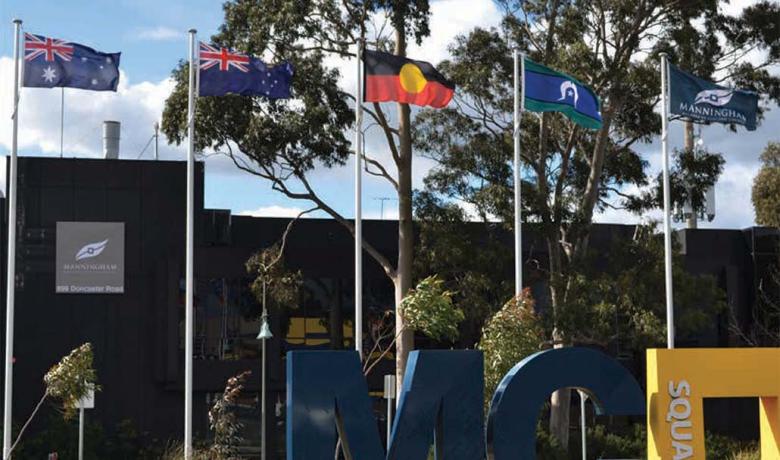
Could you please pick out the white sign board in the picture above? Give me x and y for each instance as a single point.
(88, 401)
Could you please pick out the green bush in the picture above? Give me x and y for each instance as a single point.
(604, 443)
(512, 334)
(721, 447)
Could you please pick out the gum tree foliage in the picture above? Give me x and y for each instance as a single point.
(223, 420)
(513, 333)
(273, 283)
(427, 309)
(766, 187)
(283, 142)
(763, 326)
(570, 173)
(67, 382)
(468, 256)
(616, 307)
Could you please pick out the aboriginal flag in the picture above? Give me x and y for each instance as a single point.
(388, 77)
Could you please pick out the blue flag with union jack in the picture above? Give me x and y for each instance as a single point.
(225, 71)
(50, 62)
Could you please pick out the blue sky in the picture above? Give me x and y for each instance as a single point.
(117, 25)
(152, 38)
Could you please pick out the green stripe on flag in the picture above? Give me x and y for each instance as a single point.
(580, 118)
(535, 105)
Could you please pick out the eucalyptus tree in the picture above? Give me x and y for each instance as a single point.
(569, 174)
(283, 142)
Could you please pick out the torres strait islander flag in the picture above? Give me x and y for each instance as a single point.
(388, 77)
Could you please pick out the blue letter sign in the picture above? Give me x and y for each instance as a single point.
(441, 403)
(520, 395)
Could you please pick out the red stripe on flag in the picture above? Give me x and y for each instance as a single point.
(386, 88)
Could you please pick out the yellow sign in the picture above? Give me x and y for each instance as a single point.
(678, 381)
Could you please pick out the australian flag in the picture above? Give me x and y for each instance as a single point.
(49, 63)
(225, 71)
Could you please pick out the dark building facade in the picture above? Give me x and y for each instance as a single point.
(138, 335)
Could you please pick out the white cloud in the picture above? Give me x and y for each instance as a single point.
(136, 106)
(272, 211)
(159, 33)
(735, 7)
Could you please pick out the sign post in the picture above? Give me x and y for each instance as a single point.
(87, 402)
(389, 396)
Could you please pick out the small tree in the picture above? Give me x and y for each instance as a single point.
(427, 309)
(68, 381)
(513, 333)
(222, 419)
(272, 279)
(766, 187)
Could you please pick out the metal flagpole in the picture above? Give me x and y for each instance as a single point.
(189, 276)
(10, 285)
(667, 200)
(519, 69)
(583, 433)
(62, 118)
(81, 432)
(358, 328)
(156, 141)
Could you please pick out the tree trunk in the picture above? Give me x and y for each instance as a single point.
(692, 221)
(403, 278)
(560, 408)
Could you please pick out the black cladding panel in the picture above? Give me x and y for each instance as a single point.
(149, 197)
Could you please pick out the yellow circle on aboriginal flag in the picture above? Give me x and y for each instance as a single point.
(411, 78)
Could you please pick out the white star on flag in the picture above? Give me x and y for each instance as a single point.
(49, 74)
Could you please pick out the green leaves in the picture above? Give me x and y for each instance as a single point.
(282, 285)
(428, 309)
(766, 187)
(513, 333)
(72, 378)
(223, 420)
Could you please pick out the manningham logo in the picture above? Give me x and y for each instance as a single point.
(569, 89)
(91, 250)
(716, 97)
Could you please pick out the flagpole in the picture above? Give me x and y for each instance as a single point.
(358, 328)
(10, 285)
(667, 200)
(62, 118)
(519, 69)
(189, 275)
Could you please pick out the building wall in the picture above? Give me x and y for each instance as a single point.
(138, 335)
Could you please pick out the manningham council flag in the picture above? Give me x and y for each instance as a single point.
(704, 101)
(547, 90)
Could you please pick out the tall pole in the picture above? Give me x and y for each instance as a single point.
(156, 141)
(583, 398)
(10, 285)
(81, 432)
(667, 201)
(189, 274)
(62, 118)
(358, 329)
(519, 68)
(262, 385)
